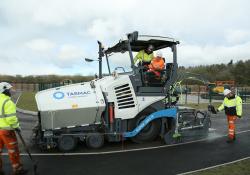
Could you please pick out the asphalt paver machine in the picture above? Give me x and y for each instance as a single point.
(117, 106)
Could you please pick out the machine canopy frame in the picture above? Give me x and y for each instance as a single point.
(142, 43)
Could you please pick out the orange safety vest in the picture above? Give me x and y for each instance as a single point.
(156, 65)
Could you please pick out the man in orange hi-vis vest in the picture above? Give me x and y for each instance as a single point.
(157, 64)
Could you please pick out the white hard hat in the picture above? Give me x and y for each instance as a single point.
(4, 86)
(226, 92)
(159, 54)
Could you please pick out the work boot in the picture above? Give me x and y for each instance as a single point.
(230, 140)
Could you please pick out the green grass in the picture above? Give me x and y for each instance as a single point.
(27, 101)
(239, 168)
(202, 105)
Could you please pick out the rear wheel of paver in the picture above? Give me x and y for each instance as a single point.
(95, 140)
(67, 143)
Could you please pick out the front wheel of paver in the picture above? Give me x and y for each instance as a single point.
(95, 141)
(67, 143)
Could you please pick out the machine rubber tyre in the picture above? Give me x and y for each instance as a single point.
(95, 141)
(67, 143)
(151, 130)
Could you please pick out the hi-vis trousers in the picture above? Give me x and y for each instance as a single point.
(9, 140)
(231, 126)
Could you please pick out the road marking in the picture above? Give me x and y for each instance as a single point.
(212, 167)
(212, 129)
(124, 151)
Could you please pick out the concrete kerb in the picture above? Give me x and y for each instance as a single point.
(27, 112)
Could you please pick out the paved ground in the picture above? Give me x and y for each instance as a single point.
(168, 160)
(159, 160)
(165, 160)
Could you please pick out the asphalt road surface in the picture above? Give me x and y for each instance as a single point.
(154, 158)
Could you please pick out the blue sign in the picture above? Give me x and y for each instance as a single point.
(58, 95)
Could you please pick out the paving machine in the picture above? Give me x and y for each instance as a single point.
(117, 106)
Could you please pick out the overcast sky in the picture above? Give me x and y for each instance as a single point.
(53, 36)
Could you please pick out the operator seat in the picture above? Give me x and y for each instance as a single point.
(151, 79)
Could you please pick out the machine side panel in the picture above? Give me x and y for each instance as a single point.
(72, 105)
(120, 91)
(70, 97)
(70, 117)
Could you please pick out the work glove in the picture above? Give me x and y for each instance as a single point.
(212, 109)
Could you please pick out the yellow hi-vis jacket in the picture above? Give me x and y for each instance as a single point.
(142, 56)
(8, 118)
(232, 106)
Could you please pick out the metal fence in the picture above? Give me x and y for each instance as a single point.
(200, 94)
(189, 93)
(26, 87)
(35, 87)
(244, 93)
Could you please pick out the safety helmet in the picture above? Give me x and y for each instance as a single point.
(226, 92)
(159, 54)
(4, 86)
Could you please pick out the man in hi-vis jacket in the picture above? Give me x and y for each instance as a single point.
(232, 105)
(8, 124)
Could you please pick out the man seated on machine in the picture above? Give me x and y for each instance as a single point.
(154, 73)
(145, 56)
(156, 66)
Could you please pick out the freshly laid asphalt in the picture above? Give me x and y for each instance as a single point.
(162, 160)
(167, 160)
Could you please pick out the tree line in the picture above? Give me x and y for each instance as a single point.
(44, 78)
(239, 71)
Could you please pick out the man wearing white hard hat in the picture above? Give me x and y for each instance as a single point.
(157, 64)
(232, 105)
(8, 124)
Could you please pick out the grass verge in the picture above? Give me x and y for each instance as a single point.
(27, 101)
(239, 168)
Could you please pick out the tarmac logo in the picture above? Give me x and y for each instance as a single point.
(78, 94)
(58, 95)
